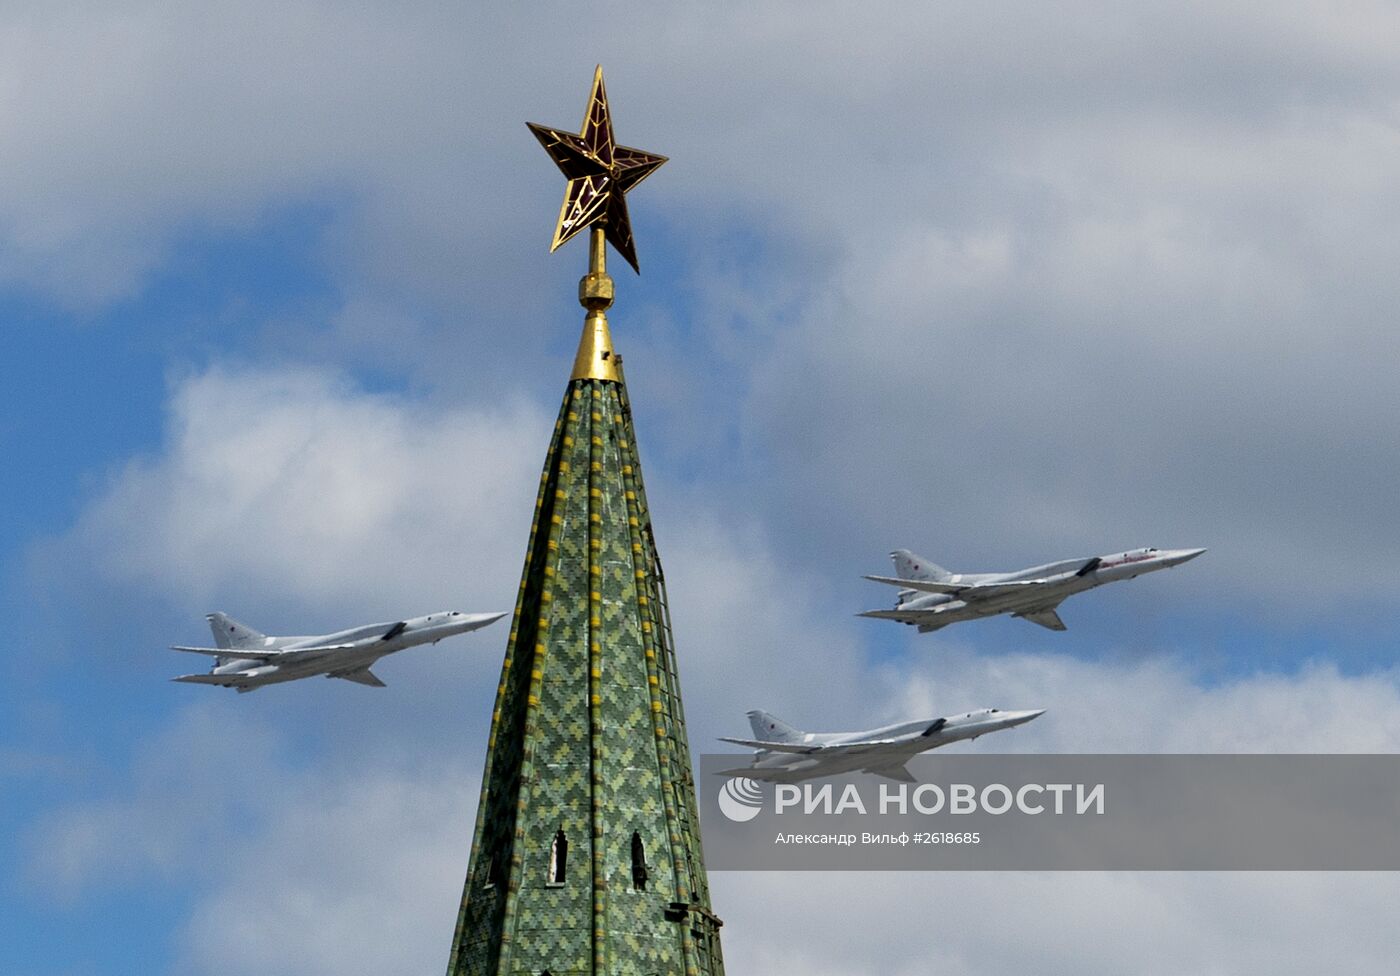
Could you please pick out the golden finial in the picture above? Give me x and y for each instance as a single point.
(600, 173)
(596, 359)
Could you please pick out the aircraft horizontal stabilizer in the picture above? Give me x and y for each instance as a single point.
(802, 750)
(927, 586)
(362, 676)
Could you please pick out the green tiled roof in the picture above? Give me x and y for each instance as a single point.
(588, 737)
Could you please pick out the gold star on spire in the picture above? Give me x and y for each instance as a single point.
(600, 173)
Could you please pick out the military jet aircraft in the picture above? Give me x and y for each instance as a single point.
(786, 754)
(245, 659)
(930, 597)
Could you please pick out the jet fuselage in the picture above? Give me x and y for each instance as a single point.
(1026, 592)
(877, 750)
(345, 653)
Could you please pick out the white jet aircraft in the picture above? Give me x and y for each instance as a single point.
(930, 597)
(786, 754)
(245, 659)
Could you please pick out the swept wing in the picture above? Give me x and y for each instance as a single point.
(229, 652)
(232, 678)
(796, 748)
(921, 617)
(927, 586)
(361, 676)
(967, 591)
(808, 749)
(1046, 617)
(239, 653)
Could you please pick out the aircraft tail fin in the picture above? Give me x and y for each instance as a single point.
(909, 566)
(231, 634)
(773, 729)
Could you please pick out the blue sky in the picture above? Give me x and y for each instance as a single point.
(991, 283)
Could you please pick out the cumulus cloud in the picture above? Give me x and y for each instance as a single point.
(195, 791)
(986, 923)
(309, 870)
(751, 630)
(1162, 335)
(315, 859)
(1000, 285)
(1158, 704)
(339, 849)
(1099, 277)
(295, 869)
(358, 876)
(289, 486)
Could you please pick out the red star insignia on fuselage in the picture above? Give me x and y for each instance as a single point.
(600, 173)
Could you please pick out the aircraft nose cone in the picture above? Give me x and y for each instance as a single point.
(464, 622)
(1020, 718)
(1179, 556)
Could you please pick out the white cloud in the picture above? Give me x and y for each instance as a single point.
(340, 864)
(1098, 278)
(290, 486)
(194, 792)
(125, 126)
(349, 853)
(985, 923)
(1047, 282)
(1162, 337)
(751, 631)
(359, 875)
(1156, 704)
(294, 869)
